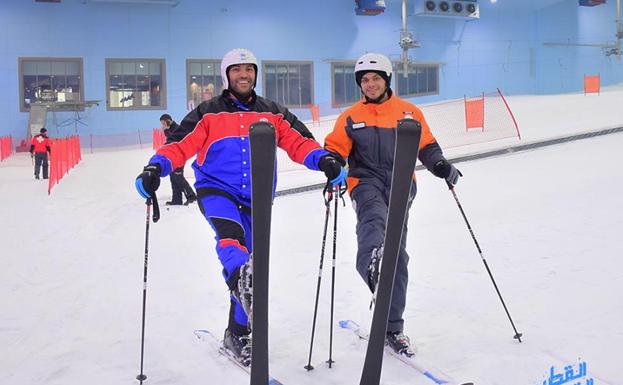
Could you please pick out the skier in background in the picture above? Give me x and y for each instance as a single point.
(219, 138)
(364, 134)
(40, 148)
(179, 184)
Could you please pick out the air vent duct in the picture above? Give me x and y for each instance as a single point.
(458, 9)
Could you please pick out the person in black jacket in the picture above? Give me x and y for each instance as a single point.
(179, 184)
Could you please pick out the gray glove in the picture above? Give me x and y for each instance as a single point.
(443, 169)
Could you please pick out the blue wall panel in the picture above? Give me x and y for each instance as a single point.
(503, 49)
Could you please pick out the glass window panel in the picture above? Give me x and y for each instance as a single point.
(204, 81)
(270, 80)
(413, 83)
(115, 69)
(194, 69)
(353, 91)
(128, 68)
(432, 80)
(155, 68)
(142, 68)
(30, 68)
(72, 68)
(58, 68)
(142, 83)
(421, 81)
(129, 82)
(208, 69)
(73, 88)
(218, 84)
(49, 80)
(293, 86)
(288, 83)
(155, 90)
(338, 86)
(44, 68)
(403, 83)
(133, 85)
(306, 84)
(30, 87)
(58, 83)
(116, 81)
(44, 89)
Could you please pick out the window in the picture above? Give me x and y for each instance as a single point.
(421, 79)
(203, 80)
(345, 90)
(288, 83)
(135, 84)
(45, 80)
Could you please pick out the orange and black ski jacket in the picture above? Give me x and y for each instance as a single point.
(365, 137)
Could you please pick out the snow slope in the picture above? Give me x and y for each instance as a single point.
(548, 221)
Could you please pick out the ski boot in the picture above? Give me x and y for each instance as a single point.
(400, 344)
(239, 347)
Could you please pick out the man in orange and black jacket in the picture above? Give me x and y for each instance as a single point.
(364, 135)
(39, 148)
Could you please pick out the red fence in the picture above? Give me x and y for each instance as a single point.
(592, 84)
(64, 155)
(475, 112)
(158, 138)
(6, 147)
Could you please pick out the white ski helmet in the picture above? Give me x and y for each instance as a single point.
(237, 56)
(373, 62)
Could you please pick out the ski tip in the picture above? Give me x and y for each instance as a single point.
(348, 324)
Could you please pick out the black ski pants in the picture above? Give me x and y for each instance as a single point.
(371, 203)
(41, 160)
(180, 185)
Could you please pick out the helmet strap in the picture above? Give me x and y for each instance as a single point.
(242, 98)
(379, 100)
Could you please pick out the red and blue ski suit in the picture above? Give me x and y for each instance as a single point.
(220, 140)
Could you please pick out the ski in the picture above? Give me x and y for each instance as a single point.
(408, 133)
(263, 148)
(416, 362)
(207, 336)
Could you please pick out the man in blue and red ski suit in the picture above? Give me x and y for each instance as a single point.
(220, 140)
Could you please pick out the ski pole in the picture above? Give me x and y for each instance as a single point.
(517, 335)
(142, 377)
(338, 192)
(324, 241)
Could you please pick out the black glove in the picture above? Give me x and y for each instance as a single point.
(148, 181)
(332, 169)
(443, 169)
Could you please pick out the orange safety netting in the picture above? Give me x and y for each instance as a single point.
(315, 113)
(158, 138)
(64, 155)
(6, 147)
(475, 113)
(592, 84)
